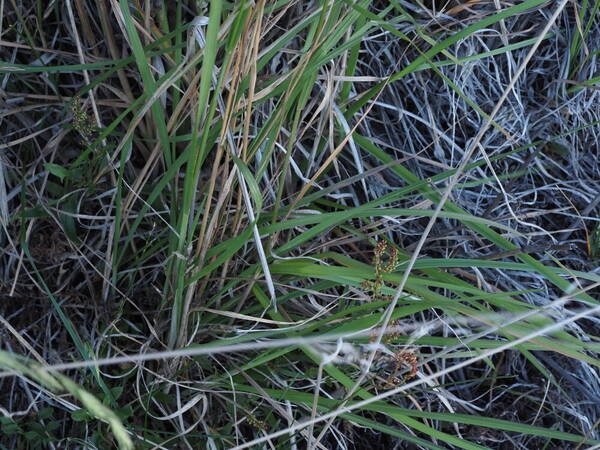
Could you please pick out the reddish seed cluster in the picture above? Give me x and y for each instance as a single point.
(382, 265)
(407, 359)
(402, 359)
(391, 336)
(385, 261)
(390, 264)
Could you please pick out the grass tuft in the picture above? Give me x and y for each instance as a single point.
(285, 224)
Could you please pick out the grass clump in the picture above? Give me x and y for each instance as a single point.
(284, 224)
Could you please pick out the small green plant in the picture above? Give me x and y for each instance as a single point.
(38, 430)
(57, 382)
